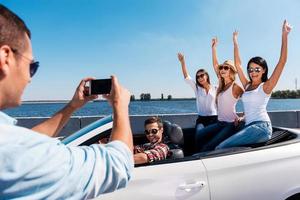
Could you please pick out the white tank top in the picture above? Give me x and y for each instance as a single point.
(226, 106)
(255, 105)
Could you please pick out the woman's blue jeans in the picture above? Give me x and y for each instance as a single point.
(209, 137)
(255, 132)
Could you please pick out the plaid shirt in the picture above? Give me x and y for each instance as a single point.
(154, 152)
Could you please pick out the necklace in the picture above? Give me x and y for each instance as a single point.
(227, 85)
(252, 87)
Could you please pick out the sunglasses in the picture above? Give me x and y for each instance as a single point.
(151, 131)
(200, 76)
(256, 69)
(224, 67)
(33, 66)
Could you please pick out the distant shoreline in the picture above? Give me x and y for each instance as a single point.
(174, 106)
(158, 99)
(100, 100)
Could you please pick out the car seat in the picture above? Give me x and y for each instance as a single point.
(173, 137)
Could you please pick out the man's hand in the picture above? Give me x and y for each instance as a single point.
(119, 99)
(81, 97)
(238, 120)
(140, 158)
(119, 96)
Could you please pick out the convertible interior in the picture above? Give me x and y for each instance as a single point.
(182, 143)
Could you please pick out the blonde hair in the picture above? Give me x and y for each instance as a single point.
(221, 87)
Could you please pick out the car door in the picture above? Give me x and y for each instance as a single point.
(267, 173)
(180, 180)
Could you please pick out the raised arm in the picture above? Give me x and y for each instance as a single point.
(183, 66)
(272, 81)
(119, 99)
(53, 126)
(214, 43)
(237, 61)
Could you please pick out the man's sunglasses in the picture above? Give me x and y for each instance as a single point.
(256, 69)
(224, 67)
(153, 131)
(200, 76)
(33, 66)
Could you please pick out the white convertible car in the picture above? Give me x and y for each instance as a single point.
(267, 171)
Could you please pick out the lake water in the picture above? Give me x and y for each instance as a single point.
(136, 108)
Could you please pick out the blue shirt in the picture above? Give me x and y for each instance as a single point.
(35, 166)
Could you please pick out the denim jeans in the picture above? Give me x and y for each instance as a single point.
(206, 120)
(203, 121)
(255, 132)
(209, 137)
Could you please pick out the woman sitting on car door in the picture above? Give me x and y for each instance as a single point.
(258, 90)
(228, 94)
(205, 94)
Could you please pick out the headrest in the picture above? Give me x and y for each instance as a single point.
(173, 133)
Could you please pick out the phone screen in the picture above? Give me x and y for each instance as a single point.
(100, 86)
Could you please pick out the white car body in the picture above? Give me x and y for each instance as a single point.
(268, 173)
(272, 173)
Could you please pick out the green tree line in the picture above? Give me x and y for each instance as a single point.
(286, 94)
(279, 94)
(147, 97)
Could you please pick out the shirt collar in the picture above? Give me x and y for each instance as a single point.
(5, 119)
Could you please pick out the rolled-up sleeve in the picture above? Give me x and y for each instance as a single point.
(191, 82)
(34, 166)
(160, 152)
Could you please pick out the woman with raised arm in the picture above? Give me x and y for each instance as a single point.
(205, 95)
(228, 94)
(258, 90)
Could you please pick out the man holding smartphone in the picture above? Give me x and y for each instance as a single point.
(36, 166)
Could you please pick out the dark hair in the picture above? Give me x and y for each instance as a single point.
(261, 62)
(12, 30)
(152, 120)
(205, 72)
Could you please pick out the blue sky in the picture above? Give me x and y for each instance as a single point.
(138, 40)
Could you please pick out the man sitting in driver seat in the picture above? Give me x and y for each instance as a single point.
(154, 150)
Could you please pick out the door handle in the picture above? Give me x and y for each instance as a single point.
(192, 186)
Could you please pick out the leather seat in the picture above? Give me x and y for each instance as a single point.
(173, 137)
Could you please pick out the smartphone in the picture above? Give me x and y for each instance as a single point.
(100, 86)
